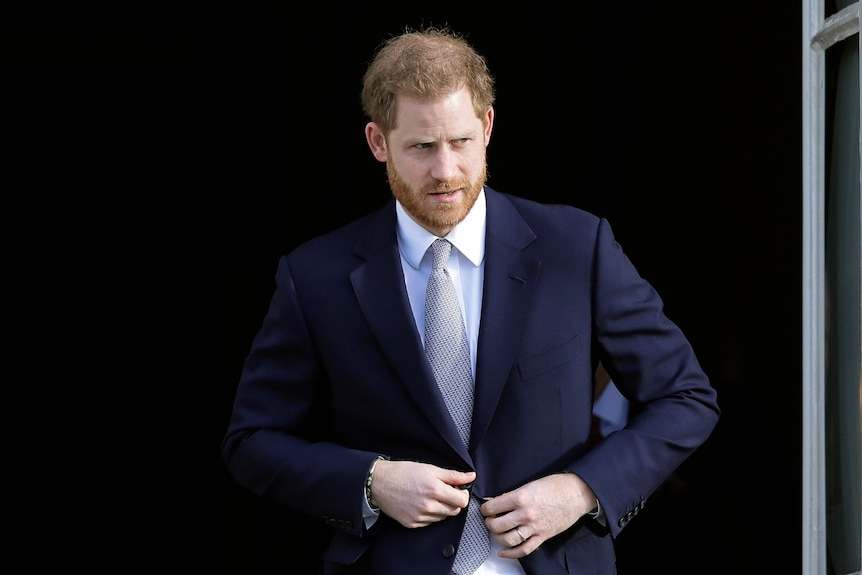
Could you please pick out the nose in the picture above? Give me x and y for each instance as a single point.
(445, 165)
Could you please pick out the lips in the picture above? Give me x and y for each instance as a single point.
(447, 197)
(446, 192)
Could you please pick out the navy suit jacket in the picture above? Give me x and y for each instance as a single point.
(337, 376)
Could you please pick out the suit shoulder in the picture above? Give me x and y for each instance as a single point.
(345, 236)
(565, 216)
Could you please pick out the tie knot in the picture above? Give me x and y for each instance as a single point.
(441, 253)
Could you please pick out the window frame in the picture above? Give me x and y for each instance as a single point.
(819, 33)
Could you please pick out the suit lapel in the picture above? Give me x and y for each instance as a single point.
(510, 281)
(379, 287)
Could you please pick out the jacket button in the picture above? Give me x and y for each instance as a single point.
(448, 551)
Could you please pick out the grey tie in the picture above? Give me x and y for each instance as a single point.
(449, 354)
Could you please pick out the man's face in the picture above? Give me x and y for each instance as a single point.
(435, 158)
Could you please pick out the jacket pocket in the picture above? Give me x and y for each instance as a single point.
(551, 359)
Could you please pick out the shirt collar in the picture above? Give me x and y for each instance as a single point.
(468, 236)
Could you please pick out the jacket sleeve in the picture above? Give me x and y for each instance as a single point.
(654, 366)
(276, 443)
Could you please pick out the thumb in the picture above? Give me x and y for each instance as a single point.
(460, 479)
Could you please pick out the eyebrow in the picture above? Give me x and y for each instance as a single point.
(420, 140)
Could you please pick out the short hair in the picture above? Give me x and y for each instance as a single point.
(426, 64)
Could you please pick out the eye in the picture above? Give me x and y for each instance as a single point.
(423, 146)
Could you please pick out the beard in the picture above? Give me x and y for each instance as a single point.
(433, 215)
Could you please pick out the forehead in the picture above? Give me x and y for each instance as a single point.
(451, 112)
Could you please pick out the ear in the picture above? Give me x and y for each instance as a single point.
(376, 141)
(488, 122)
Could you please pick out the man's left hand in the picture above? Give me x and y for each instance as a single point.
(523, 519)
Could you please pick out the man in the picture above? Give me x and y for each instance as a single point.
(342, 414)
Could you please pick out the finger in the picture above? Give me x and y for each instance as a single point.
(432, 511)
(497, 506)
(518, 542)
(454, 497)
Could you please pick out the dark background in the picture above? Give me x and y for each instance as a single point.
(160, 159)
(679, 123)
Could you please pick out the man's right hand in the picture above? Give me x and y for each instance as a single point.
(418, 494)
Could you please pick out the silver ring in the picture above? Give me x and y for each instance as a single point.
(518, 531)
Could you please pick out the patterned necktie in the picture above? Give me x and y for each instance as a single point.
(449, 354)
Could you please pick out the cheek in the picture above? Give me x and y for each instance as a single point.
(476, 162)
(411, 172)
